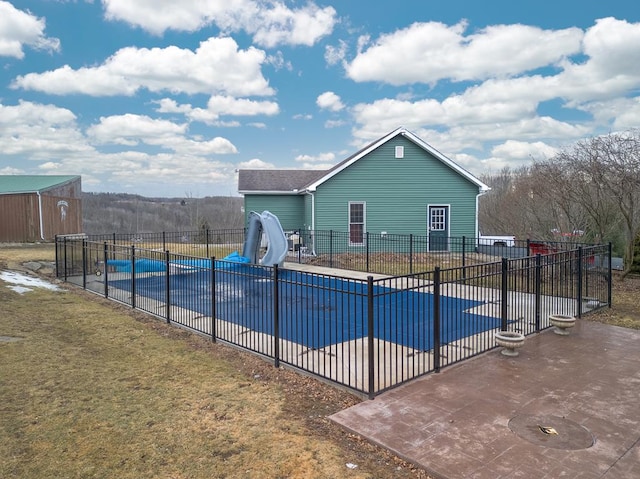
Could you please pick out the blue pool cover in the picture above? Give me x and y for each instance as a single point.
(316, 311)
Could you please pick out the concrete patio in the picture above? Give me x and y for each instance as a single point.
(489, 417)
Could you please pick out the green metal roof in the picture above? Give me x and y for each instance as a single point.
(31, 183)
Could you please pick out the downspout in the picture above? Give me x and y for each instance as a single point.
(482, 192)
(313, 211)
(313, 220)
(40, 216)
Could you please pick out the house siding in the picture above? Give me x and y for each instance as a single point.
(288, 208)
(416, 180)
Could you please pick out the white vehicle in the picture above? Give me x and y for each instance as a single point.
(497, 240)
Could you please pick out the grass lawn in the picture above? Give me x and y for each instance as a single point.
(91, 388)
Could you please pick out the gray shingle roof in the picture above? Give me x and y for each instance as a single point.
(276, 180)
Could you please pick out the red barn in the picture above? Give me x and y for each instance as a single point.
(37, 208)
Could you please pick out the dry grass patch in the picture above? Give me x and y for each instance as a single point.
(625, 311)
(13, 255)
(93, 389)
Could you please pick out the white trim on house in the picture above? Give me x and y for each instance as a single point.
(261, 192)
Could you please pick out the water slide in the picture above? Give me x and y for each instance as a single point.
(269, 224)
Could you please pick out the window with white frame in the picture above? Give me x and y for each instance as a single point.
(357, 215)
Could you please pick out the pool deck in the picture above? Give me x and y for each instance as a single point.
(456, 424)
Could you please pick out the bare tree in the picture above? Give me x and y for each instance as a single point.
(601, 176)
(591, 187)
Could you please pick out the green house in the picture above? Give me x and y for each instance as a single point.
(397, 185)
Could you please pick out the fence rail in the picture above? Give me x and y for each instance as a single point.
(392, 254)
(368, 334)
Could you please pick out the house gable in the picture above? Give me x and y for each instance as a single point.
(400, 132)
(397, 191)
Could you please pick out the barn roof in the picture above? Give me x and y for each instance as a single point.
(32, 183)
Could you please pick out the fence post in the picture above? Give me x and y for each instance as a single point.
(106, 270)
(84, 264)
(370, 336)
(164, 240)
(505, 293)
(57, 257)
(366, 239)
(411, 253)
(464, 262)
(330, 248)
(167, 284)
(609, 276)
(213, 299)
(580, 272)
(276, 317)
(206, 238)
(528, 266)
(538, 292)
(133, 277)
(65, 259)
(436, 319)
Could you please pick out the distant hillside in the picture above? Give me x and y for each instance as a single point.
(124, 213)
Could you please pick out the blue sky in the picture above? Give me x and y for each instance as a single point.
(170, 98)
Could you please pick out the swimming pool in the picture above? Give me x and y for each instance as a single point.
(315, 310)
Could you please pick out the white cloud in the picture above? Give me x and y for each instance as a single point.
(334, 55)
(256, 164)
(612, 68)
(522, 150)
(270, 22)
(225, 105)
(329, 101)
(334, 123)
(19, 28)
(9, 170)
(217, 106)
(325, 158)
(50, 138)
(34, 131)
(216, 66)
(322, 161)
(130, 130)
(628, 117)
(508, 108)
(429, 52)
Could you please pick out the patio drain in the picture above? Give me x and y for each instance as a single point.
(551, 431)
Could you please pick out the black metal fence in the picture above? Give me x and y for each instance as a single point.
(392, 254)
(368, 333)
